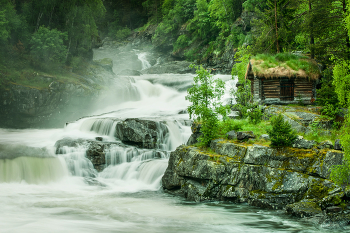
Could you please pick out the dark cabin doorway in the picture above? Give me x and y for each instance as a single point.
(287, 89)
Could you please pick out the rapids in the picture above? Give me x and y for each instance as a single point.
(41, 191)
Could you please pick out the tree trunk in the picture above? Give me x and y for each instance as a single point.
(347, 35)
(278, 49)
(38, 21)
(312, 39)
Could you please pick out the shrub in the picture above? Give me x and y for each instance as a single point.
(181, 42)
(255, 115)
(205, 96)
(281, 133)
(47, 45)
(123, 33)
(340, 174)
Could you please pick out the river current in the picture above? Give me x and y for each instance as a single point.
(41, 191)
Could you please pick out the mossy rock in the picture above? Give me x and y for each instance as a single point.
(304, 209)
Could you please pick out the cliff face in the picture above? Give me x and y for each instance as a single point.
(290, 178)
(50, 101)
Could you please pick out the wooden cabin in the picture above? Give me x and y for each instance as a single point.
(280, 84)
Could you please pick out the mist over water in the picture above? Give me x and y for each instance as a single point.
(42, 191)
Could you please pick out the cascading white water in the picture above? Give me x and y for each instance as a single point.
(32, 170)
(77, 162)
(19, 163)
(45, 192)
(142, 58)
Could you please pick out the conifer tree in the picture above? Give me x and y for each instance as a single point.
(273, 33)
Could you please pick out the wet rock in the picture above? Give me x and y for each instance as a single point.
(334, 209)
(196, 134)
(325, 144)
(96, 154)
(273, 178)
(95, 151)
(232, 135)
(128, 72)
(141, 133)
(323, 164)
(243, 135)
(68, 142)
(265, 137)
(303, 209)
(106, 63)
(174, 67)
(300, 142)
(337, 145)
(332, 200)
(99, 139)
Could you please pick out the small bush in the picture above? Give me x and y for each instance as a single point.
(281, 133)
(181, 42)
(255, 115)
(123, 33)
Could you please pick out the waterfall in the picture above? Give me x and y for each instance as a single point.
(142, 58)
(32, 165)
(32, 170)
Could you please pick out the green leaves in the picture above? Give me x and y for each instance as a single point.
(206, 107)
(47, 45)
(341, 81)
(281, 133)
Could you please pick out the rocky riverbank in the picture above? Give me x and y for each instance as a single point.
(296, 180)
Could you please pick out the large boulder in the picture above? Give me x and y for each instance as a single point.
(300, 142)
(277, 178)
(142, 133)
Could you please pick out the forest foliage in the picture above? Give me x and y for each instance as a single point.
(46, 34)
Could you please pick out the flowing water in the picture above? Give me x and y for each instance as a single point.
(41, 191)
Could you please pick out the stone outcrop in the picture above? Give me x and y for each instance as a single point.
(100, 153)
(196, 133)
(54, 101)
(141, 133)
(278, 178)
(299, 117)
(95, 150)
(175, 67)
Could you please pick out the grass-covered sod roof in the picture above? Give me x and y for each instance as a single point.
(283, 65)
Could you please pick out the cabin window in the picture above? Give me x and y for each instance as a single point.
(287, 89)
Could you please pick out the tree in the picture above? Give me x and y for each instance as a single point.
(281, 133)
(206, 106)
(341, 173)
(242, 93)
(48, 45)
(272, 29)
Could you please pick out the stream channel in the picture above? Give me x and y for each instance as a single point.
(41, 191)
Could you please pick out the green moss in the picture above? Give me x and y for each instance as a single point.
(317, 190)
(180, 161)
(258, 194)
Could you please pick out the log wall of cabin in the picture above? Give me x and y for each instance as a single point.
(303, 88)
(271, 88)
(252, 86)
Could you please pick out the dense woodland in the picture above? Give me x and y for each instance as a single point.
(53, 35)
(60, 31)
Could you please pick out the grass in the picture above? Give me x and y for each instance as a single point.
(244, 125)
(317, 134)
(289, 61)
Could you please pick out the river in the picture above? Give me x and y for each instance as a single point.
(41, 191)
